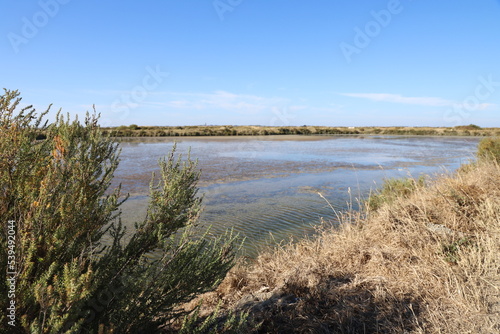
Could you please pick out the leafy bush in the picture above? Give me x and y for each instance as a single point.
(230, 323)
(393, 189)
(468, 127)
(68, 279)
(489, 148)
(451, 250)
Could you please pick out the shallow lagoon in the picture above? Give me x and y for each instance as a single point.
(266, 187)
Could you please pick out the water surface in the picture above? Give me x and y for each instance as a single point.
(267, 187)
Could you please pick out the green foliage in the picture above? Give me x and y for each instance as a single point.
(69, 279)
(215, 322)
(393, 189)
(227, 130)
(468, 127)
(451, 250)
(489, 148)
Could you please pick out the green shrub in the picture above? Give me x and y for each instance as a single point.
(216, 322)
(393, 189)
(68, 278)
(451, 250)
(489, 148)
(468, 127)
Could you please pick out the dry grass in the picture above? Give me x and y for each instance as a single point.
(428, 263)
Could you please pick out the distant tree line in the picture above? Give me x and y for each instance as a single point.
(228, 130)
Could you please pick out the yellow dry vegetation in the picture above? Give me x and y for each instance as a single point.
(424, 263)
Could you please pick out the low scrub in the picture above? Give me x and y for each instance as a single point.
(59, 274)
(489, 148)
(468, 127)
(253, 130)
(393, 189)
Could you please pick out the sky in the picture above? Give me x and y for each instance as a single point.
(257, 62)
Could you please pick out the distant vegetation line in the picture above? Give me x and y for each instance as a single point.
(229, 130)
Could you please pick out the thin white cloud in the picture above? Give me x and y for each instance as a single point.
(484, 106)
(395, 98)
(221, 106)
(423, 101)
(219, 100)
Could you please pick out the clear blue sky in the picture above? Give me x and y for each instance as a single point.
(264, 62)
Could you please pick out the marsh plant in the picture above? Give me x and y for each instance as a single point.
(393, 189)
(489, 148)
(55, 184)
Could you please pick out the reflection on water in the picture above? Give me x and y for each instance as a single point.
(263, 186)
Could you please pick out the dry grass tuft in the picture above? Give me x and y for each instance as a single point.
(428, 263)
